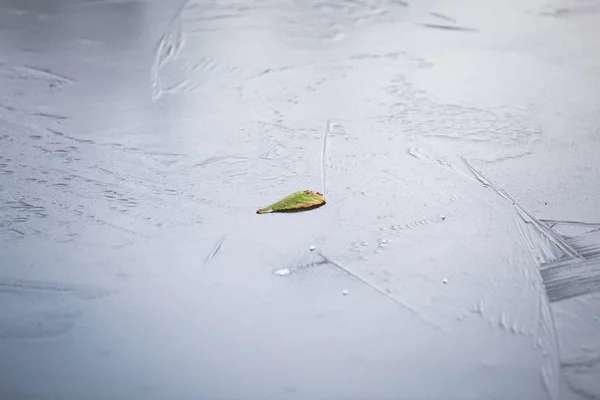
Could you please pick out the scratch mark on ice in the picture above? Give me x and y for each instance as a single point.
(407, 307)
(324, 158)
(169, 45)
(216, 249)
(569, 278)
(549, 233)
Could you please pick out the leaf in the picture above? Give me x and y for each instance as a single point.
(298, 201)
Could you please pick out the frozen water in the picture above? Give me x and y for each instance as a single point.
(454, 142)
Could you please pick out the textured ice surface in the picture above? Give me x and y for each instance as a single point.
(456, 144)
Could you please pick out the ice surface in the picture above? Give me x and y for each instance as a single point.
(456, 145)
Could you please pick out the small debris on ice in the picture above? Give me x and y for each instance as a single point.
(344, 292)
(444, 281)
(312, 248)
(443, 217)
(282, 272)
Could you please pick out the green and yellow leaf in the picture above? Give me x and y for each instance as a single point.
(301, 200)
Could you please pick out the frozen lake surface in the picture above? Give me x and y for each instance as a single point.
(457, 145)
